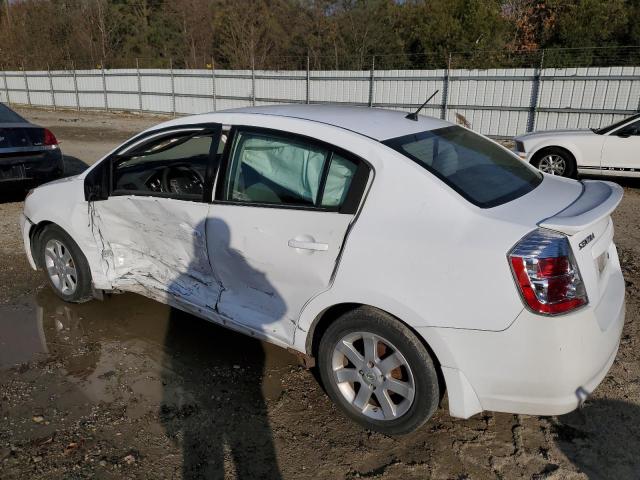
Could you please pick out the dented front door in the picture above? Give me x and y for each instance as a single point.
(156, 247)
(151, 229)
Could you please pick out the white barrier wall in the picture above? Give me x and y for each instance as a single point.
(496, 102)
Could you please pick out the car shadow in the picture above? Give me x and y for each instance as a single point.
(73, 166)
(11, 193)
(204, 384)
(602, 439)
(213, 403)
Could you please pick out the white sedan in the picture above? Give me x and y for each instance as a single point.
(612, 150)
(401, 255)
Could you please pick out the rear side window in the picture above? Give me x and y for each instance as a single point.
(281, 170)
(475, 167)
(341, 173)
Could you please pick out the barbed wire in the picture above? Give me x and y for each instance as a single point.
(575, 57)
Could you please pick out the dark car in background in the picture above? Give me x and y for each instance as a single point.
(29, 154)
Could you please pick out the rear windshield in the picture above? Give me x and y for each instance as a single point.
(475, 167)
(9, 116)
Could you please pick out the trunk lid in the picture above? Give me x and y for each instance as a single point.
(595, 203)
(19, 136)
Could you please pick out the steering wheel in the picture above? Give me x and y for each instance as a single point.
(182, 180)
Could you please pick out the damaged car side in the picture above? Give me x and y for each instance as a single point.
(402, 255)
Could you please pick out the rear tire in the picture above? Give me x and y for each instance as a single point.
(555, 161)
(65, 266)
(378, 372)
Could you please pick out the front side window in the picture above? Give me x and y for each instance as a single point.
(475, 167)
(174, 165)
(279, 170)
(613, 126)
(631, 130)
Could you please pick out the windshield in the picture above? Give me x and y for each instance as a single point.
(475, 167)
(603, 130)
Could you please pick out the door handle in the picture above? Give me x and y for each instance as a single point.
(308, 245)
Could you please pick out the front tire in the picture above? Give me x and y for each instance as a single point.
(65, 266)
(378, 372)
(555, 161)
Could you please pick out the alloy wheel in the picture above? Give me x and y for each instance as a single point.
(60, 267)
(553, 165)
(373, 376)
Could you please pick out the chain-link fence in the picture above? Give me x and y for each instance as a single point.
(524, 91)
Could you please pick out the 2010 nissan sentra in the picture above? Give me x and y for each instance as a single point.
(403, 256)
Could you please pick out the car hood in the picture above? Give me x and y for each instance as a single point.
(556, 133)
(72, 178)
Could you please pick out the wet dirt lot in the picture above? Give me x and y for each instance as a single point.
(129, 388)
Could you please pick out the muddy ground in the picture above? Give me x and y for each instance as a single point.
(128, 388)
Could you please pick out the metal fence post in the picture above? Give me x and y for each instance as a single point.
(173, 88)
(308, 81)
(75, 86)
(213, 83)
(535, 95)
(253, 82)
(6, 85)
(26, 84)
(372, 80)
(445, 90)
(53, 93)
(104, 88)
(139, 86)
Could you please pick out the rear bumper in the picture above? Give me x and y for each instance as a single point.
(31, 167)
(539, 365)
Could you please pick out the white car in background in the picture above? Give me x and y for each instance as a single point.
(402, 255)
(612, 150)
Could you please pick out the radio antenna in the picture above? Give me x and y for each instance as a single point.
(414, 116)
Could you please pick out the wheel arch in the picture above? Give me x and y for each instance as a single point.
(543, 148)
(36, 232)
(325, 318)
(34, 239)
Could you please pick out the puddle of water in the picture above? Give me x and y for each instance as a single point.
(21, 335)
(131, 347)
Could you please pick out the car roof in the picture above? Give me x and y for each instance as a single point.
(375, 123)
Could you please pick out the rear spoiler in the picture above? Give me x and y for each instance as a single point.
(597, 200)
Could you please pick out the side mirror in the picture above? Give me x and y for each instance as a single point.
(96, 183)
(623, 134)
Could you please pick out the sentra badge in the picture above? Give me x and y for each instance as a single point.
(586, 241)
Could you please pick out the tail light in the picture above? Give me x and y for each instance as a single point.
(49, 138)
(547, 273)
